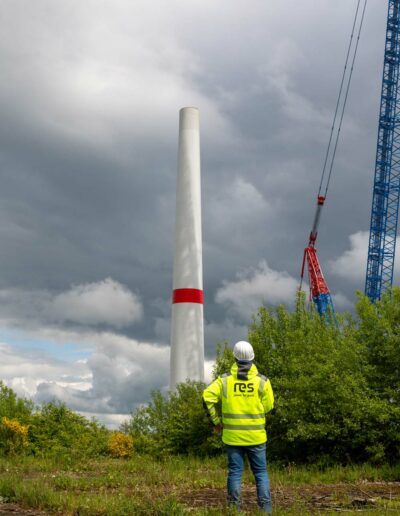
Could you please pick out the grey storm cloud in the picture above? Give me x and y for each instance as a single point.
(89, 97)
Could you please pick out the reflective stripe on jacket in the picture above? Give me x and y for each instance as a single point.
(243, 403)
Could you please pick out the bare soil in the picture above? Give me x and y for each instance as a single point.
(12, 509)
(344, 497)
(314, 498)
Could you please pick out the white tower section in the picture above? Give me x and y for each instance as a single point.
(187, 333)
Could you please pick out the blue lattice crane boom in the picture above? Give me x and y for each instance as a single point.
(385, 199)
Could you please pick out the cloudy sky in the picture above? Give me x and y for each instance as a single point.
(89, 100)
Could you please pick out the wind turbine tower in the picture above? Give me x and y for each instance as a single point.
(187, 333)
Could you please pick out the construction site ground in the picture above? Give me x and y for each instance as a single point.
(187, 485)
(363, 497)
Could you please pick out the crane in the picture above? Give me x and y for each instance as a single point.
(319, 291)
(385, 199)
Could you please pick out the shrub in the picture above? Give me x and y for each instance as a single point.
(57, 430)
(120, 445)
(16, 435)
(175, 423)
(326, 406)
(13, 410)
(12, 406)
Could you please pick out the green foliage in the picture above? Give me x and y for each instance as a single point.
(55, 430)
(334, 384)
(336, 389)
(15, 436)
(175, 423)
(12, 406)
(224, 359)
(15, 408)
(379, 330)
(52, 430)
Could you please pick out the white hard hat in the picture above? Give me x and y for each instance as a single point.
(243, 351)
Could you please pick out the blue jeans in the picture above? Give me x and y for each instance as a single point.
(258, 463)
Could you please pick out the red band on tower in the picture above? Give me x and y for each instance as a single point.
(187, 295)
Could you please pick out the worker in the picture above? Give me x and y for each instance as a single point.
(237, 403)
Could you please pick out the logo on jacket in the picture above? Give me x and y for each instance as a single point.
(244, 388)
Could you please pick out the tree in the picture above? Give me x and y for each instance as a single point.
(324, 408)
(379, 330)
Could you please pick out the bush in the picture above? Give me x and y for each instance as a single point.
(120, 445)
(175, 423)
(50, 430)
(56, 430)
(379, 331)
(327, 408)
(15, 414)
(12, 406)
(16, 435)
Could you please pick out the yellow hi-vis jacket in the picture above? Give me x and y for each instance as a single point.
(244, 404)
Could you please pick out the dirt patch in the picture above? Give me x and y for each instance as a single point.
(12, 510)
(334, 497)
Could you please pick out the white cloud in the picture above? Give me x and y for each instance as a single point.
(239, 204)
(256, 286)
(106, 302)
(116, 374)
(112, 421)
(351, 265)
(116, 378)
(24, 370)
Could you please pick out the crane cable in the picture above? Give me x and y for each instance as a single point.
(342, 84)
(340, 97)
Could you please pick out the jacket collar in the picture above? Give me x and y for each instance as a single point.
(252, 372)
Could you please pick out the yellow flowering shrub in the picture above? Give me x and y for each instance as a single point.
(17, 434)
(120, 445)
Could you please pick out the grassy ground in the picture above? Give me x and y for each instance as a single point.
(176, 486)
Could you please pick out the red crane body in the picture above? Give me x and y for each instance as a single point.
(319, 291)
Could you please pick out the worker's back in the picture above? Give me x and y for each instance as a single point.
(245, 396)
(237, 402)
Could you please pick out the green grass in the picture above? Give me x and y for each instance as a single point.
(332, 475)
(143, 485)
